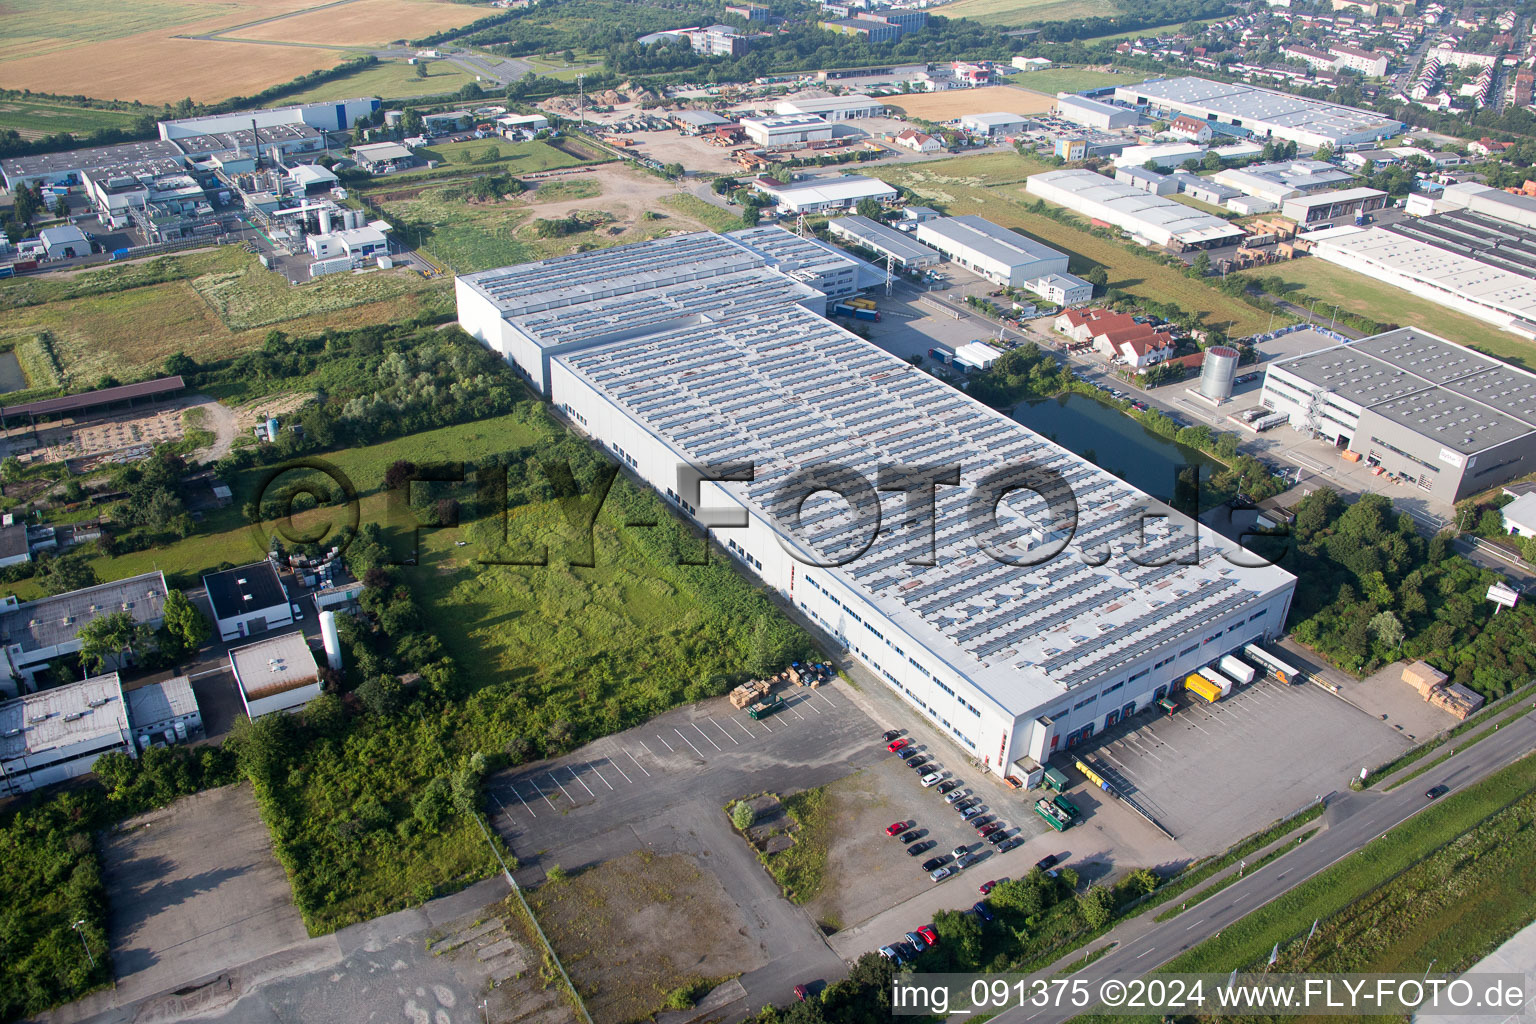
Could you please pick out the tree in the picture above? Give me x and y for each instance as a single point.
(105, 638)
(1020, 895)
(1098, 277)
(399, 473)
(186, 629)
(421, 70)
(1097, 906)
(1201, 265)
(1387, 631)
(1211, 161)
(742, 815)
(868, 208)
(179, 364)
(60, 575)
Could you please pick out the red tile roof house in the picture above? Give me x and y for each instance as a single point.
(1082, 324)
(1138, 346)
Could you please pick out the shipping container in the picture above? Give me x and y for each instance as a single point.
(1200, 687)
(1055, 780)
(842, 309)
(22, 266)
(1060, 813)
(943, 355)
(1238, 669)
(7, 271)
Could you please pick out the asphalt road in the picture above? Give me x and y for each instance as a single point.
(1354, 819)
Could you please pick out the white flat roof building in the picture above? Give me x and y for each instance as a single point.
(785, 130)
(1166, 155)
(1262, 111)
(833, 108)
(1155, 220)
(994, 124)
(1062, 289)
(58, 734)
(1325, 206)
(1001, 256)
(898, 245)
(277, 674)
(1009, 647)
(814, 195)
(1106, 117)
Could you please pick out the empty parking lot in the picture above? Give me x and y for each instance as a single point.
(1213, 773)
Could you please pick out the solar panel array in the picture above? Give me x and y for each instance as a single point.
(1489, 240)
(793, 394)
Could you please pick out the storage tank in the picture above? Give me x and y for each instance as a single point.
(332, 640)
(271, 428)
(325, 220)
(1217, 373)
(143, 742)
(181, 729)
(354, 218)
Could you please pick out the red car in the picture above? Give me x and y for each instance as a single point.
(895, 745)
(896, 829)
(987, 887)
(926, 931)
(987, 830)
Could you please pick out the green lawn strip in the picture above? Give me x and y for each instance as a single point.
(1519, 714)
(1236, 876)
(1408, 757)
(1078, 965)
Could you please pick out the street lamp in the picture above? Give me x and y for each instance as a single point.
(78, 925)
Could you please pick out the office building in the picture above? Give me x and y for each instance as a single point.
(1326, 206)
(786, 130)
(34, 633)
(326, 116)
(994, 125)
(832, 108)
(276, 674)
(1010, 648)
(818, 195)
(1444, 418)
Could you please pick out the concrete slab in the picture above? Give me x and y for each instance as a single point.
(1515, 956)
(1384, 695)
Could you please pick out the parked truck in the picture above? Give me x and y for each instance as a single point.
(862, 303)
(1059, 813)
(860, 313)
(1238, 669)
(765, 707)
(1217, 679)
(1203, 688)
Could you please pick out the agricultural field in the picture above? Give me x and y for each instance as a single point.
(1054, 80)
(618, 205)
(942, 106)
(1388, 304)
(210, 305)
(390, 79)
(1017, 13)
(36, 118)
(992, 186)
(362, 22)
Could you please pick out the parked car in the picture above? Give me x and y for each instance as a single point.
(929, 935)
(890, 734)
(910, 837)
(801, 992)
(939, 874)
(986, 887)
(925, 767)
(1047, 862)
(988, 829)
(915, 940)
(898, 828)
(948, 784)
(983, 911)
(933, 863)
(955, 796)
(918, 849)
(1013, 843)
(966, 861)
(932, 779)
(998, 838)
(970, 812)
(914, 759)
(895, 744)
(959, 851)
(890, 954)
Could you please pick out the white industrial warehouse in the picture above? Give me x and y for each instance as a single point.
(1264, 112)
(1152, 219)
(896, 245)
(1092, 113)
(694, 350)
(997, 254)
(814, 195)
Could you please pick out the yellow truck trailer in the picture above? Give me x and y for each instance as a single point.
(1197, 684)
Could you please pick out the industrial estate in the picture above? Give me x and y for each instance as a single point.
(750, 506)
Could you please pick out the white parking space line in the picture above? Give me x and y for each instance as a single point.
(648, 750)
(578, 779)
(765, 725)
(539, 791)
(727, 735)
(562, 788)
(638, 764)
(615, 766)
(741, 727)
(600, 775)
(686, 740)
(791, 705)
(664, 743)
(521, 800)
(701, 732)
(806, 700)
(824, 698)
(502, 807)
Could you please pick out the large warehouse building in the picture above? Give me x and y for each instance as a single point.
(327, 116)
(1151, 219)
(1263, 112)
(997, 254)
(1478, 256)
(1447, 419)
(887, 242)
(1106, 117)
(679, 353)
(817, 195)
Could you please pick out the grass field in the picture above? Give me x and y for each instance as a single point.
(942, 106)
(1388, 304)
(551, 65)
(37, 118)
(364, 22)
(708, 214)
(992, 186)
(390, 79)
(1014, 13)
(502, 154)
(1054, 80)
(101, 331)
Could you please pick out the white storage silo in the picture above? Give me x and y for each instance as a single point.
(1217, 372)
(332, 640)
(325, 220)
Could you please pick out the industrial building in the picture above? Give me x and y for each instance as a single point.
(674, 353)
(1105, 117)
(247, 600)
(994, 125)
(64, 242)
(833, 108)
(1440, 416)
(1326, 206)
(888, 242)
(817, 195)
(327, 116)
(1001, 256)
(276, 674)
(1148, 181)
(1263, 112)
(1151, 219)
(36, 632)
(787, 130)
(1475, 256)
(59, 733)
(1284, 180)
(1164, 155)
(1062, 289)
(383, 157)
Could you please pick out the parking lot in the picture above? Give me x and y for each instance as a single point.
(1211, 774)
